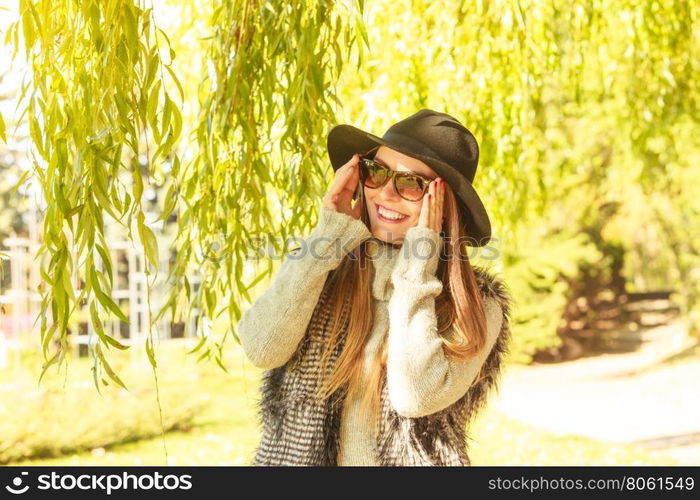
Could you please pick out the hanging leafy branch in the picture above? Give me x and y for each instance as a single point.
(95, 103)
(268, 100)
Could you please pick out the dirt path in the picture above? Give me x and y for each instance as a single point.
(649, 398)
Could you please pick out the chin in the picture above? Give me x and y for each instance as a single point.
(387, 235)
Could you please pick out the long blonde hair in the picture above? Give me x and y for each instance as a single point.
(459, 305)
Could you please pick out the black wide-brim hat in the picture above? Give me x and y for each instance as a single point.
(438, 140)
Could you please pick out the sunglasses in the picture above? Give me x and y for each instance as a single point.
(409, 186)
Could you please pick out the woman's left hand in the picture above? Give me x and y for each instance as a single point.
(431, 210)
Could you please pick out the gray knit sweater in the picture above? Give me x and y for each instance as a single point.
(420, 379)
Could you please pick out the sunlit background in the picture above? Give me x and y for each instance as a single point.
(587, 118)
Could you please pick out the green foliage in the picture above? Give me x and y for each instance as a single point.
(265, 101)
(95, 104)
(587, 117)
(586, 113)
(534, 273)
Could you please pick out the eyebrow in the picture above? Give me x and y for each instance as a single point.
(383, 164)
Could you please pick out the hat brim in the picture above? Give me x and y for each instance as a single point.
(345, 140)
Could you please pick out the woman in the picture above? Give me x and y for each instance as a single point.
(379, 339)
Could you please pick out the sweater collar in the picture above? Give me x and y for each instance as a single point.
(384, 257)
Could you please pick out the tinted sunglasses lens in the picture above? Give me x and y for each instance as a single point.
(410, 187)
(373, 174)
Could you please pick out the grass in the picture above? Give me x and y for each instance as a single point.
(223, 401)
(225, 431)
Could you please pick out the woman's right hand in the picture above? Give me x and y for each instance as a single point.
(339, 196)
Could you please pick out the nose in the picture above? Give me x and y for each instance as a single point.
(388, 192)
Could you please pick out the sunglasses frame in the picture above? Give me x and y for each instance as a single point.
(393, 174)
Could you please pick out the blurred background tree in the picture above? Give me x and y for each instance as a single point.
(12, 203)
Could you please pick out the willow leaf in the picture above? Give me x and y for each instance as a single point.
(107, 367)
(3, 136)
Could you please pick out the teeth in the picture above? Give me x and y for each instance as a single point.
(389, 214)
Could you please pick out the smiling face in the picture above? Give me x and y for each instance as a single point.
(384, 202)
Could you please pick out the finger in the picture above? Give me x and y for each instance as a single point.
(436, 208)
(433, 198)
(345, 170)
(440, 205)
(351, 166)
(348, 172)
(351, 181)
(346, 179)
(423, 219)
(353, 160)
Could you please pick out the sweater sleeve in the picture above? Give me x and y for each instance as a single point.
(271, 329)
(420, 378)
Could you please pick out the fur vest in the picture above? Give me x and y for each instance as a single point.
(298, 430)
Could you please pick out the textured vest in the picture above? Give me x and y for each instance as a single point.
(299, 430)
